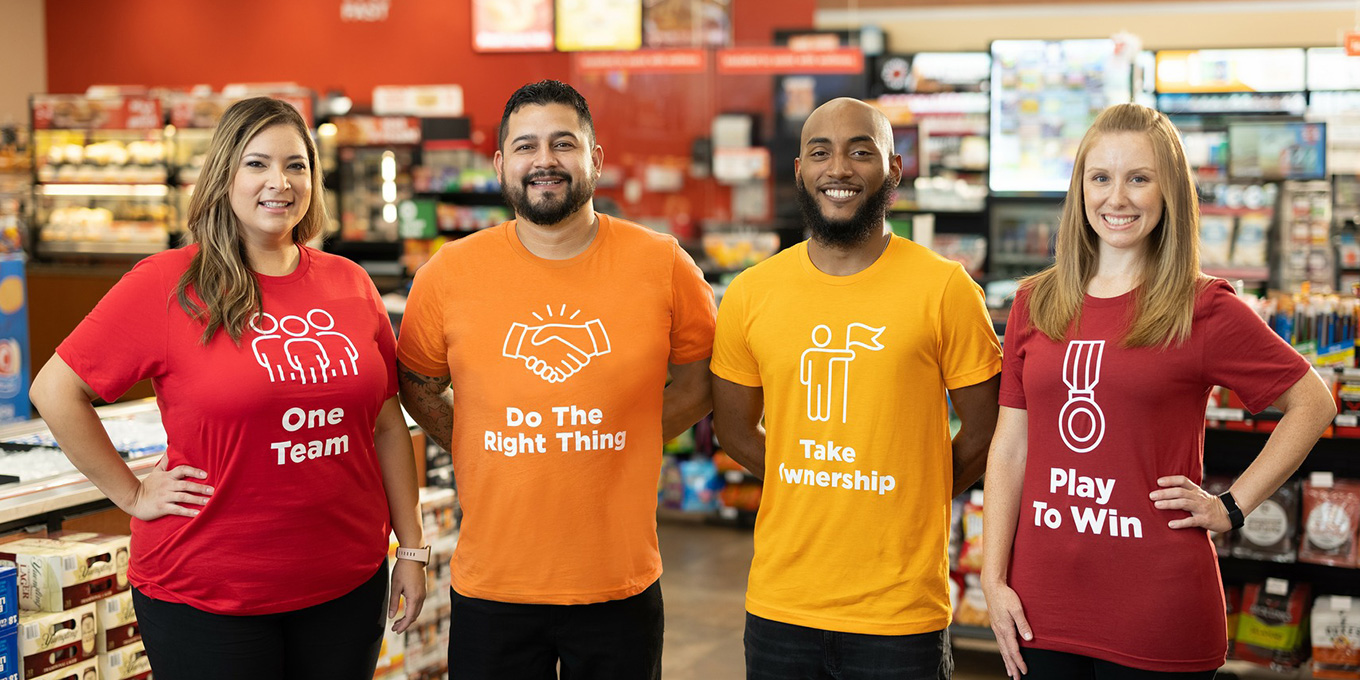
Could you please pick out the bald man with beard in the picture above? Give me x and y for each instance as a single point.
(847, 346)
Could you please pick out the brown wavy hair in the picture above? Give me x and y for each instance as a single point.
(1170, 280)
(219, 275)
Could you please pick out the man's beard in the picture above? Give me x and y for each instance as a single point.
(548, 211)
(866, 221)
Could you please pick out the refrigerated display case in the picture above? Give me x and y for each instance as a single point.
(376, 155)
(100, 176)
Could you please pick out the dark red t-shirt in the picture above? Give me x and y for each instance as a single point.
(1097, 570)
(283, 425)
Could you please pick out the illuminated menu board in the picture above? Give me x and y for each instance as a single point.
(512, 25)
(599, 25)
(687, 23)
(1261, 70)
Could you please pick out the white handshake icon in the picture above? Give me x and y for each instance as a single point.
(556, 351)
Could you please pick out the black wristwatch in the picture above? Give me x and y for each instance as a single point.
(1234, 512)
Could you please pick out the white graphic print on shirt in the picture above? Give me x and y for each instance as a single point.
(305, 350)
(556, 351)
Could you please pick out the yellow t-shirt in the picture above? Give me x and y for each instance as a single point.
(854, 518)
(557, 369)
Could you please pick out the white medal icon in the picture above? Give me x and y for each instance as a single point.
(1081, 422)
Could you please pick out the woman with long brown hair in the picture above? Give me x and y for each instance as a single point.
(1098, 562)
(259, 541)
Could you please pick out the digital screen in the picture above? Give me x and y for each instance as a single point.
(687, 23)
(599, 25)
(1045, 95)
(1277, 151)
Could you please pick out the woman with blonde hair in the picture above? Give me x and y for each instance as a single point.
(1098, 562)
(259, 541)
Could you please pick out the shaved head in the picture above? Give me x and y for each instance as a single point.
(846, 112)
(846, 172)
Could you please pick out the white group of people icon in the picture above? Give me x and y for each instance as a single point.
(302, 349)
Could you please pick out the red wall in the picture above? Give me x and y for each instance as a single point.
(177, 44)
(158, 43)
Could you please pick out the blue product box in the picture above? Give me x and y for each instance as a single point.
(9, 655)
(9, 601)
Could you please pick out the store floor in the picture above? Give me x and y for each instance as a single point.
(705, 586)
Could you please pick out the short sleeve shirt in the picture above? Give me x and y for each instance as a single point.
(854, 515)
(557, 369)
(1105, 422)
(282, 423)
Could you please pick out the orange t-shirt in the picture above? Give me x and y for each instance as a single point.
(557, 369)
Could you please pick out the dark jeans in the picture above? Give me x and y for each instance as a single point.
(339, 639)
(782, 651)
(1044, 664)
(620, 639)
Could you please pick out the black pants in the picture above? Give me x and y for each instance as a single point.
(783, 651)
(1044, 664)
(620, 639)
(334, 640)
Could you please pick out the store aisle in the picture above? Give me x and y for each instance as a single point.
(705, 585)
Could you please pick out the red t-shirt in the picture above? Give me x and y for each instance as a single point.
(282, 424)
(1096, 567)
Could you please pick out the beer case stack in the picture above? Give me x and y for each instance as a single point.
(9, 622)
(75, 618)
(427, 641)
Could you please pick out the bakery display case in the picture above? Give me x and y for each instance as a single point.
(99, 176)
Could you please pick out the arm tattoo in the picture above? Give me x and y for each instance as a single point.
(430, 402)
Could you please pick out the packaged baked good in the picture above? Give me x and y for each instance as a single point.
(1271, 530)
(1331, 517)
(1336, 637)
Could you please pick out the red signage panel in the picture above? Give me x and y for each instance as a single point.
(643, 61)
(74, 112)
(783, 60)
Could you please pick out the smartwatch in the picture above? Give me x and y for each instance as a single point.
(421, 555)
(1229, 504)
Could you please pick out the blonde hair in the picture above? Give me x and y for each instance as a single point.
(228, 295)
(1170, 279)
